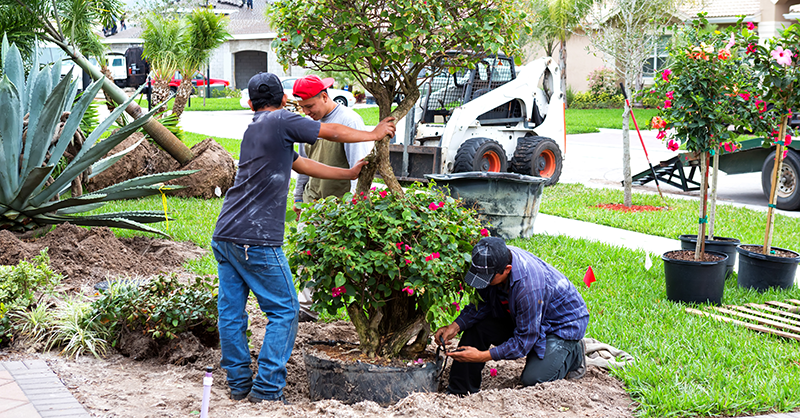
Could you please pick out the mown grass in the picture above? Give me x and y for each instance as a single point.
(212, 104)
(576, 201)
(580, 121)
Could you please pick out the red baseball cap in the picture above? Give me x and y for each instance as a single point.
(309, 86)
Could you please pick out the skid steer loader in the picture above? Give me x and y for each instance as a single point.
(495, 117)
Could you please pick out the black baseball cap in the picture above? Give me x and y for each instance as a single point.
(266, 86)
(489, 257)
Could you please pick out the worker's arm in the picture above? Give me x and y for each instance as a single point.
(312, 168)
(340, 133)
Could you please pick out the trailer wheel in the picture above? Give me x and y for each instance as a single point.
(788, 190)
(480, 154)
(539, 157)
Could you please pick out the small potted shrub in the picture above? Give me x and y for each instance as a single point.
(696, 110)
(776, 65)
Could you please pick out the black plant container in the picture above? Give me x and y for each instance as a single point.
(720, 245)
(692, 281)
(760, 272)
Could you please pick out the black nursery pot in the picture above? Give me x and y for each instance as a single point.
(351, 383)
(692, 281)
(721, 245)
(760, 272)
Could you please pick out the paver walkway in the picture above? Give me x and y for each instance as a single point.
(29, 389)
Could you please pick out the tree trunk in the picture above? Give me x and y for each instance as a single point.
(109, 103)
(160, 92)
(184, 91)
(776, 177)
(700, 248)
(713, 212)
(386, 331)
(562, 64)
(626, 157)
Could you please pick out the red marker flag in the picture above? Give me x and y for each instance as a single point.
(588, 278)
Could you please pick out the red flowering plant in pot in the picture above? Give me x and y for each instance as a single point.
(395, 263)
(706, 90)
(776, 64)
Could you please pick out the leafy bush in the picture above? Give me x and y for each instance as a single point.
(589, 100)
(226, 92)
(603, 81)
(19, 286)
(396, 264)
(162, 309)
(74, 328)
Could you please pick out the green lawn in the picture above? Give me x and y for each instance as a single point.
(685, 365)
(581, 121)
(214, 103)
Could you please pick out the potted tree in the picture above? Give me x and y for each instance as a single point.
(776, 64)
(705, 90)
(393, 259)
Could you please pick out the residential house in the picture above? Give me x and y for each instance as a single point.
(768, 15)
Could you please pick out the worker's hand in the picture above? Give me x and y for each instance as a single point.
(355, 170)
(467, 354)
(297, 210)
(384, 129)
(445, 334)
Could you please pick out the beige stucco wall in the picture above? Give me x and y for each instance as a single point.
(580, 62)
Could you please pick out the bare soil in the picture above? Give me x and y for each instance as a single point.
(119, 386)
(688, 255)
(775, 252)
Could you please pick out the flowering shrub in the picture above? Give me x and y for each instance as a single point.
(603, 81)
(707, 88)
(396, 264)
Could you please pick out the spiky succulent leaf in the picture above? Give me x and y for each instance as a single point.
(103, 164)
(109, 222)
(141, 216)
(14, 69)
(147, 180)
(36, 177)
(65, 203)
(140, 191)
(45, 127)
(11, 137)
(79, 209)
(74, 120)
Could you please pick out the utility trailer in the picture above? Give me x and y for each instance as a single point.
(751, 158)
(495, 117)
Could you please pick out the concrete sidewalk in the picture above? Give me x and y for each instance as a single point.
(29, 389)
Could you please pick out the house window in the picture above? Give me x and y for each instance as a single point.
(657, 61)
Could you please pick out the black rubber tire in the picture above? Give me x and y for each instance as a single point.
(470, 156)
(173, 89)
(341, 100)
(788, 190)
(535, 155)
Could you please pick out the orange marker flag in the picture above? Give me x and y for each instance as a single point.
(588, 278)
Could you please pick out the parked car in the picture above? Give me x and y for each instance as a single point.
(197, 80)
(343, 97)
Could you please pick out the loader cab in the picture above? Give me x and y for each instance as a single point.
(446, 91)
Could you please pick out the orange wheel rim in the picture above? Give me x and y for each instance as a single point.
(490, 162)
(547, 164)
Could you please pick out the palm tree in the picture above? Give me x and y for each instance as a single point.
(163, 42)
(68, 23)
(204, 32)
(555, 21)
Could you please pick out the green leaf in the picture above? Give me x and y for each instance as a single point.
(339, 281)
(10, 137)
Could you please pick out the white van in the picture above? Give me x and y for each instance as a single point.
(119, 68)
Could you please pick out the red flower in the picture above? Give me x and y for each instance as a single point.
(751, 26)
(383, 193)
(745, 96)
(433, 206)
(298, 31)
(284, 39)
(665, 75)
(338, 291)
(408, 290)
(493, 372)
(458, 306)
(788, 140)
(484, 232)
(661, 135)
(667, 104)
(670, 94)
(407, 247)
(724, 54)
(751, 49)
(658, 123)
(408, 261)
(761, 106)
(672, 145)
(728, 147)
(308, 252)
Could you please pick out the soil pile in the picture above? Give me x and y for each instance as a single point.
(88, 256)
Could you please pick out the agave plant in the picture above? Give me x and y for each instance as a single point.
(29, 190)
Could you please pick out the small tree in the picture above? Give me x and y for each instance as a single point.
(707, 89)
(627, 31)
(394, 270)
(387, 45)
(162, 47)
(776, 65)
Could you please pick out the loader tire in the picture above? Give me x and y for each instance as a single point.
(480, 154)
(539, 157)
(788, 190)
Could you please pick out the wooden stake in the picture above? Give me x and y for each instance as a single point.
(790, 308)
(748, 325)
(776, 170)
(773, 310)
(765, 315)
(701, 235)
(762, 321)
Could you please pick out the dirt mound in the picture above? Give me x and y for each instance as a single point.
(121, 387)
(87, 256)
(216, 175)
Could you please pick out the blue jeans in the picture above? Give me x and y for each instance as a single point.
(265, 271)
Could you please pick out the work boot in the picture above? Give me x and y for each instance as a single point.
(581, 370)
(238, 396)
(254, 399)
(305, 316)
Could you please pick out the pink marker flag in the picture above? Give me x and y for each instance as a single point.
(588, 278)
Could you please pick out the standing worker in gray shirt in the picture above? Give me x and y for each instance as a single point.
(318, 105)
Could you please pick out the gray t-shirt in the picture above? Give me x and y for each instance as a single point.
(354, 151)
(254, 210)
